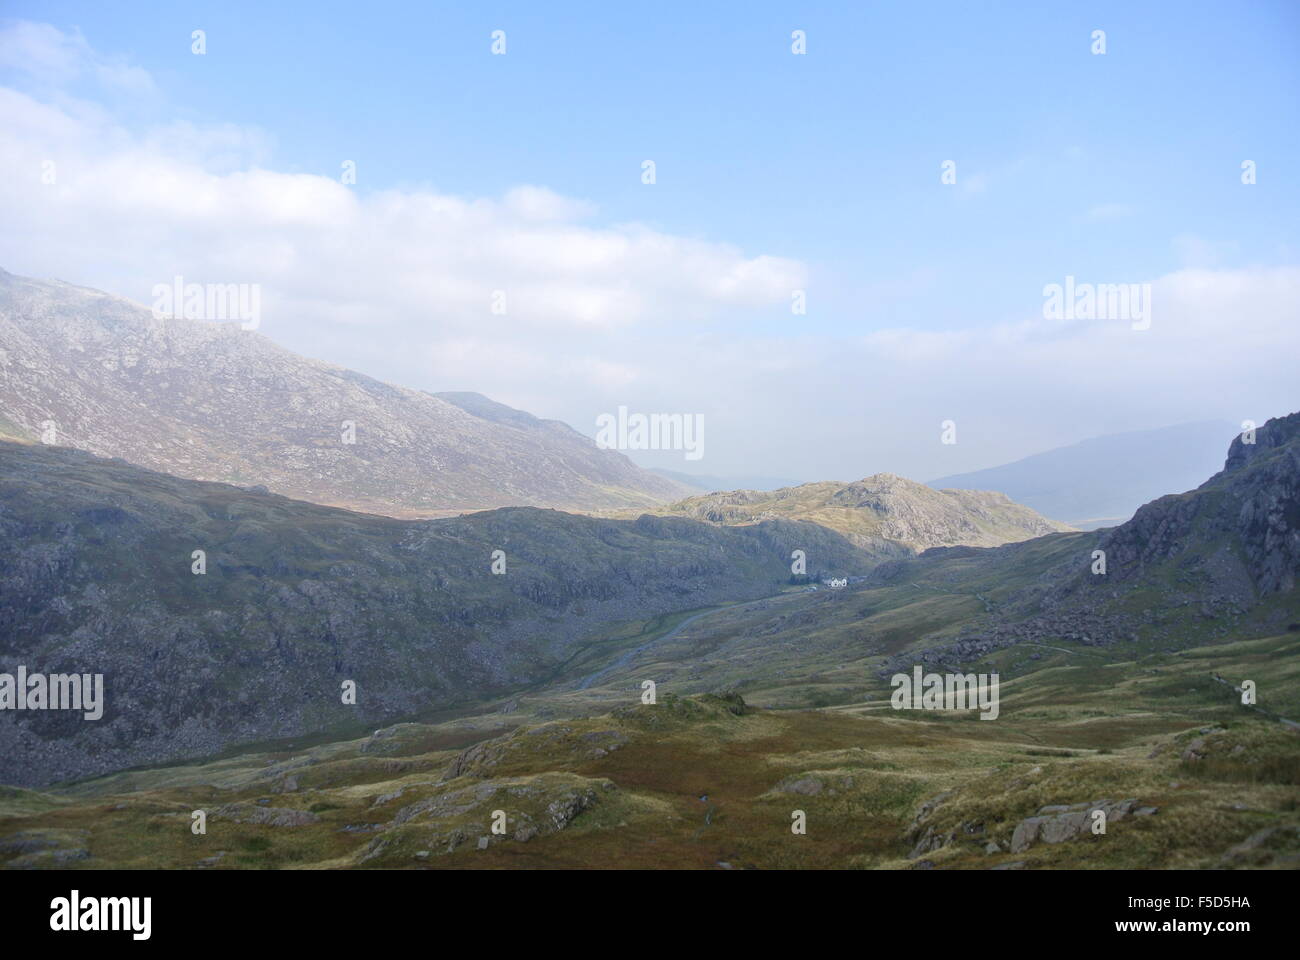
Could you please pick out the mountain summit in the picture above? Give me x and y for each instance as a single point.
(887, 515)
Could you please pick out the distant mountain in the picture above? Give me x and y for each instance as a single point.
(886, 515)
(1102, 481)
(210, 401)
(711, 484)
(96, 576)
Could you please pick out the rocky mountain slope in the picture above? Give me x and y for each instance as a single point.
(1209, 565)
(97, 576)
(210, 401)
(886, 515)
(1238, 532)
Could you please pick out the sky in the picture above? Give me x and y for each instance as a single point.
(126, 159)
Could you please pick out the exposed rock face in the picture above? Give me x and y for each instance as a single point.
(210, 401)
(1218, 550)
(446, 820)
(563, 810)
(807, 786)
(96, 576)
(1254, 502)
(1056, 824)
(921, 833)
(885, 514)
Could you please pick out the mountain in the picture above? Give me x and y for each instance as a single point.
(96, 576)
(1207, 566)
(210, 401)
(886, 515)
(1235, 538)
(1102, 481)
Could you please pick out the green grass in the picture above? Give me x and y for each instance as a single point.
(1068, 734)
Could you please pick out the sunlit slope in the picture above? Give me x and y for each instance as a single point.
(1193, 779)
(885, 514)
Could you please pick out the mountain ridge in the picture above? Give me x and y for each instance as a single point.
(97, 576)
(208, 401)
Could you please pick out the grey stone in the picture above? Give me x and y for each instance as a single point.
(1025, 834)
(265, 815)
(808, 786)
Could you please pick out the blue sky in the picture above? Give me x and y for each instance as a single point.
(1121, 167)
(832, 157)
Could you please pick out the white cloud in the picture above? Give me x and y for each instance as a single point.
(52, 59)
(539, 203)
(202, 202)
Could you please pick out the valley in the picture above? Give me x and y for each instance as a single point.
(690, 683)
(776, 709)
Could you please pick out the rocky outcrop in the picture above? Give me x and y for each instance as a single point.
(921, 832)
(1061, 822)
(455, 816)
(1254, 502)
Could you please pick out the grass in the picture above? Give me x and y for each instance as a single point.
(859, 774)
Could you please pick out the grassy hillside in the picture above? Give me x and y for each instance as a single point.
(709, 782)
